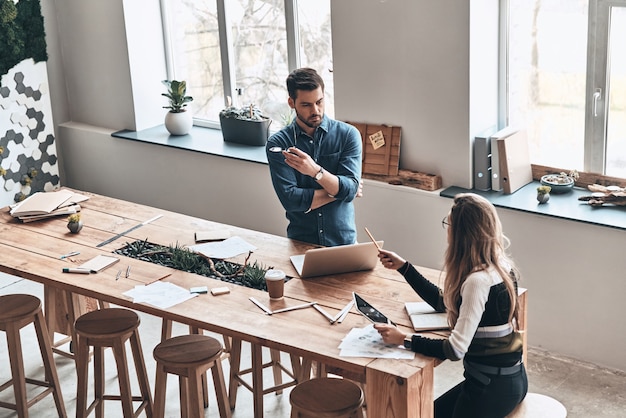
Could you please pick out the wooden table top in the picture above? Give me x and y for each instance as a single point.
(32, 250)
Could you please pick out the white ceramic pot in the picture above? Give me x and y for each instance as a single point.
(178, 123)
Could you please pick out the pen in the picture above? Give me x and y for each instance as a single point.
(260, 305)
(76, 270)
(73, 253)
(128, 272)
(117, 276)
(160, 278)
(344, 312)
(293, 308)
(321, 310)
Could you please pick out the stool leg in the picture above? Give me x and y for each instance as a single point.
(45, 346)
(142, 374)
(194, 394)
(98, 380)
(82, 358)
(160, 391)
(14, 344)
(278, 374)
(220, 389)
(123, 378)
(183, 394)
(257, 378)
(205, 383)
(235, 365)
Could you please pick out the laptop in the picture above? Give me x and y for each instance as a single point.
(335, 260)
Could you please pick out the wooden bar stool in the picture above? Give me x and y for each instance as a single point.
(256, 372)
(110, 328)
(326, 397)
(535, 405)
(17, 311)
(189, 357)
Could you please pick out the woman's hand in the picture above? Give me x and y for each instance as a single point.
(390, 260)
(390, 334)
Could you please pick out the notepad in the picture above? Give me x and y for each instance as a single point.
(99, 263)
(425, 318)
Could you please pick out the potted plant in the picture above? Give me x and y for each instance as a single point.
(178, 120)
(543, 194)
(562, 182)
(246, 125)
(74, 224)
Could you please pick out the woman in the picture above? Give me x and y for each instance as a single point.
(480, 297)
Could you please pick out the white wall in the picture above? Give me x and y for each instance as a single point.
(402, 62)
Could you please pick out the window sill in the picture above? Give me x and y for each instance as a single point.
(563, 206)
(204, 140)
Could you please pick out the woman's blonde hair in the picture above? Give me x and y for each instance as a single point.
(476, 243)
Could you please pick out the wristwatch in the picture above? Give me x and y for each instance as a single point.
(408, 342)
(319, 174)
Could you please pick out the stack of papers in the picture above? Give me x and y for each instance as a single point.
(42, 205)
(160, 294)
(228, 248)
(367, 342)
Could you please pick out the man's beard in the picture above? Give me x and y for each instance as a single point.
(308, 123)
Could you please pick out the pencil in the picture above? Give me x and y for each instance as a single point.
(323, 312)
(160, 278)
(260, 305)
(372, 238)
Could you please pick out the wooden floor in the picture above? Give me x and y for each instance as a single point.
(587, 391)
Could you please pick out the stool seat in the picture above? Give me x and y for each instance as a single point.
(536, 405)
(110, 328)
(326, 397)
(17, 311)
(189, 357)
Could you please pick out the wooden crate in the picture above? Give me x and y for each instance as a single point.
(386, 159)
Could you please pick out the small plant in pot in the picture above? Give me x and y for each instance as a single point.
(245, 125)
(562, 182)
(543, 194)
(74, 224)
(178, 120)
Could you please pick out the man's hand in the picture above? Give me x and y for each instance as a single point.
(359, 192)
(301, 162)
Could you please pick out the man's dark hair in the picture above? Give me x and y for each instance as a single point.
(303, 79)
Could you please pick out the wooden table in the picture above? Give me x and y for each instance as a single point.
(394, 388)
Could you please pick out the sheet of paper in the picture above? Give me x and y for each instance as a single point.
(228, 248)
(160, 294)
(367, 342)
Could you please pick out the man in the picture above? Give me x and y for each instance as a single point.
(315, 164)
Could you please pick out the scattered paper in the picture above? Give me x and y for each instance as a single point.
(367, 342)
(228, 248)
(160, 294)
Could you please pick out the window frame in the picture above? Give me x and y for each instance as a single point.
(596, 80)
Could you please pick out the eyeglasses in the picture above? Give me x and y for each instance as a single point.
(444, 222)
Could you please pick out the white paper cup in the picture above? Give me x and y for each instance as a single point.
(275, 281)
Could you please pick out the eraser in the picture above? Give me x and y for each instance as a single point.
(220, 291)
(198, 289)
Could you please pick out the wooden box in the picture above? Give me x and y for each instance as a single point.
(385, 159)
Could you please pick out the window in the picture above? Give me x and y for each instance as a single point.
(566, 82)
(244, 50)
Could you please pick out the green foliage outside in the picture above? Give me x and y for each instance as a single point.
(22, 33)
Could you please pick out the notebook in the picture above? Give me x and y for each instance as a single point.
(335, 260)
(424, 317)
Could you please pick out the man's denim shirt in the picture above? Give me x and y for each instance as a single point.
(337, 147)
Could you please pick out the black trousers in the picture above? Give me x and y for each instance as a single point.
(472, 398)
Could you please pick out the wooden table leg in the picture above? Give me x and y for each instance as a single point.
(408, 393)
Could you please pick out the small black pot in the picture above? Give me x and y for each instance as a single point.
(246, 132)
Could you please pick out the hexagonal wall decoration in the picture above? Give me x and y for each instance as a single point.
(27, 147)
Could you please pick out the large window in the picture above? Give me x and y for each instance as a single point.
(567, 82)
(243, 50)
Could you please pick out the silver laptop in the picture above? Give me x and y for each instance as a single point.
(334, 260)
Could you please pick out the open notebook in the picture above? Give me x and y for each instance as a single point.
(334, 260)
(425, 318)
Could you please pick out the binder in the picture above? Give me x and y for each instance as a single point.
(482, 159)
(515, 169)
(496, 184)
